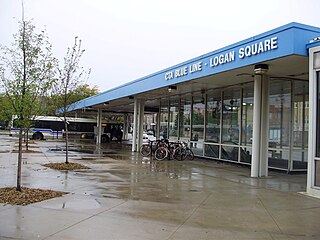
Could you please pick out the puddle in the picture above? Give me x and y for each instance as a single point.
(55, 149)
(118, 157)
(78, 204)
(87, 158)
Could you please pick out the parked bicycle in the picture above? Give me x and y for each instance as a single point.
(147, 148)
(170, 150)
(186, 152)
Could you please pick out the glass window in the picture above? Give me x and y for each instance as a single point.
(279, 123)
(247, 115)
(173, 122)
(198, 124)
(317, 173)
(185, 115)
(164, 119)
(300, 125)
(231, 116)
(316, 60)
(318, 117)
(213, 117)
(211, 150)
(247, 123)
(229, 153)
(317, 162)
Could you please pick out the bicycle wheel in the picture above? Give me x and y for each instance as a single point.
(189, 154)
(145, 150)
(161, 153)
(179, 154)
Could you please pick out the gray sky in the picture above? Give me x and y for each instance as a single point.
(125, 40)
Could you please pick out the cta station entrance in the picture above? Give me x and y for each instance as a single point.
(249, 103)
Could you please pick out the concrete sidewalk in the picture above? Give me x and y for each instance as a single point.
(125, 196)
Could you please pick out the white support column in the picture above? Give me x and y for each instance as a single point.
(135, 125)
(125, 126)
(158, 125)
(140, 124)
(99, 121)
(264, 136)
(259, 163)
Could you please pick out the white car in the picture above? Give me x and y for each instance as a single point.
(148, 137)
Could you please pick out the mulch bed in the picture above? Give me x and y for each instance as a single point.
(65, 166)
(26, 196)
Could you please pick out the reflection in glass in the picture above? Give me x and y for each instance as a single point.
(279, 123)
(229, 153)
(213, 117)
(231, 116)
(246, 154)
(230, 138)
(164, 119)
(318, 117)
(247, 116)
(317, 173)
(198, 124)
(173, 121)
(300, 125)
(211, 150)
(185, 115)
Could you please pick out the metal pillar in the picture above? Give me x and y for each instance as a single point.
(140, 124)
(259, 163)
(125, 126)
(99, 121)
(135, 124)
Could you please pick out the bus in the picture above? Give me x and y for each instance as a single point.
(52, 127)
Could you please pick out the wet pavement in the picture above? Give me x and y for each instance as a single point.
(126, 196)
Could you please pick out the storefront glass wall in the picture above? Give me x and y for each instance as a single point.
(300, 125)
(197, 123)
(184, 119)
(213, 123)
(231, 121)
(164, 118)
(246, 123)
(222, 123)
(279, 123)
(173, 119)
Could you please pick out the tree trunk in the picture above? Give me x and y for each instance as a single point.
(67, 140)
(27, 141)
(18, 188)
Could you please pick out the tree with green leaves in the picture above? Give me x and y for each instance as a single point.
(70, 77)
(6, 111)
(27, 70)
(55, 102)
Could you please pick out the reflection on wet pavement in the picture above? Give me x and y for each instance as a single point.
(116, 172)
(134, 197)
(119, 173)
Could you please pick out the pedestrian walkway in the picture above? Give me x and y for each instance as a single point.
(126, 196)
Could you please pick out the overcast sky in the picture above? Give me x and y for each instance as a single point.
(125, 40)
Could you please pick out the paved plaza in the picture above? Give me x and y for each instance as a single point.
(126, 196)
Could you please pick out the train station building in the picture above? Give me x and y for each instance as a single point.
(255, 102)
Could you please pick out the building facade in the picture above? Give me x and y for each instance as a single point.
(254, 102)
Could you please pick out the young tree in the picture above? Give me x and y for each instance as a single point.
(26, 73)
(81, 92)
(71, 77)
